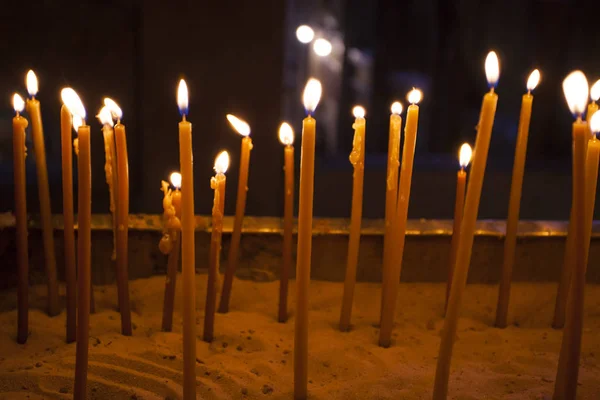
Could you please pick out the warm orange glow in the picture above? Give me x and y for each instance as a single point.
(239, 125)
(286, 134)
(18, 103)
(595, 122)
(73, 102)
(492, 68)
(113, 107)
(464, 155)
(533, 80)
(358, 112)
(414, 96)
(397, 108)
(575, 87)
(175, 179)
(32, 83)
(222, 162)
(595, 91)
(312, 95)
(77, 122)
(105, 116)
(182, 97)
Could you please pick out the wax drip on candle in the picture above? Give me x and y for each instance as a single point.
(19, 106)
(221, 166)
(171, 223)
(359, 113)
(395, 147)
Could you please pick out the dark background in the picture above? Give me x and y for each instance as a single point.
(242, 57)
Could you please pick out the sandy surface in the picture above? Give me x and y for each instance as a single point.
(252, 358)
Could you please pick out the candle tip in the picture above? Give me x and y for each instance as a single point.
(397, 108)
(464, 155)
(222, 162)
(175, 179)
(32, 83)
(533, 80)
(358, 112)
(18, 103)
(492, 69)
(575, 88)
(114, 108)
(312, 95)
(182, 97)
(595, 91)
(239, 125)
(286, 134)
(105, 117)
(414, 96)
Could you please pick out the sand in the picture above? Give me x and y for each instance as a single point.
(252, 354)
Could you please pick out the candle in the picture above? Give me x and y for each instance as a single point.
(19, 154)
(398, 231)
(311, 97)
(575, 87)
(110, 166)
(464, 157)
(232, 259)
(558, 321)
(286, 137)
(467, 228)
(357, 159)
(172, 215)
(188, 258)
(217, 183)
(391, 192)
(37, 134)
(122, 208)
(68, 221)
(510, 241)
(84, 240)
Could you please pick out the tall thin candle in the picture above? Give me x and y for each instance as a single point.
(240, 206)
(217, 183)
(357, 159)
(311, 97)
(467, 228)
(19, 154)
(188, 258)
(286, 137)
(398, 235)
(37, 133)
(512, 221)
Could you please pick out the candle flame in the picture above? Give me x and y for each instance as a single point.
(32, 83)
(492, 69)
(533, 80)
(182, 98)
(464, 155)
(305, 34)
(286, 134)
(18, 103)
(113, 107)
(575, 87)
(595, 122)
(77, 122)
(175, 179)
(322, 47)
(358, 112)
(312, 95)
(105, 116)
(239, 125)
(73, 102)
(222, 162)
(414, 96)
(397, 108)
(595, 91)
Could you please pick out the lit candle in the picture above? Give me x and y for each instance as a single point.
(68, 221)
(240, 205)
(560, 307)
(122, 208)
(84, 239)
(19, 154)
(188, 258)
(110, 166)
(311, 97)
(391, 192)
(357, 159)
(37, 134)
(464, 158)
(172, 215)
(286, 137)
(512, 221)
(575, 87)
(467, 228)
(217, 183)
(398, 232)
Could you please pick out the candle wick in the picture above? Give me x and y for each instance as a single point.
(529, 92)
(492, 89)
(183, 117)
(18, 114)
